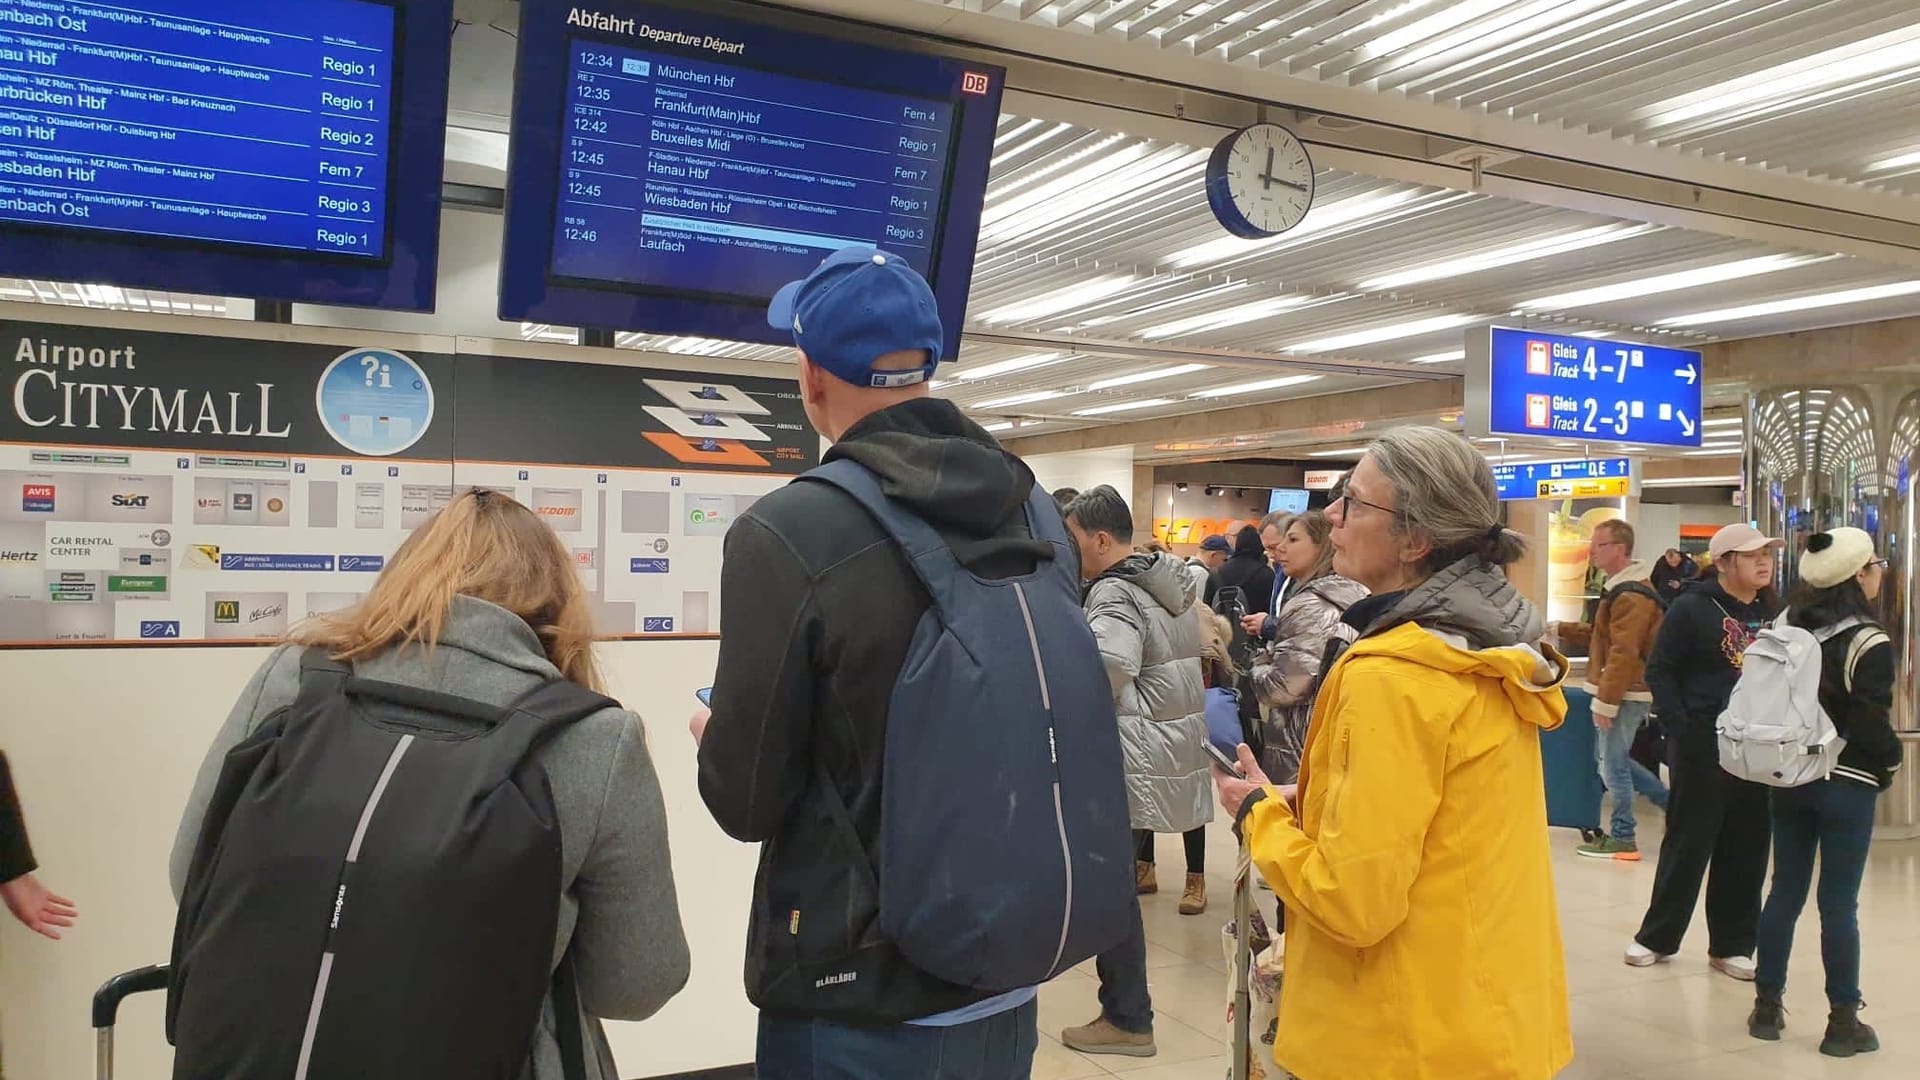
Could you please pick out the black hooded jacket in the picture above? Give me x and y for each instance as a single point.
(1697, 657)
(1247, 570)
(16, 855)
(818, 611)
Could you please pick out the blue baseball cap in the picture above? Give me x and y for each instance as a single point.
(857, 306)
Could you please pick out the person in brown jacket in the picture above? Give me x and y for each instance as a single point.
(1624, 627)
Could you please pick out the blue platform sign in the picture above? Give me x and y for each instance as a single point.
(1598, 478)
(1554, 386)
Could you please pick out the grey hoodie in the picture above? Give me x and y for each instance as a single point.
(1142, 614)
(618, 911)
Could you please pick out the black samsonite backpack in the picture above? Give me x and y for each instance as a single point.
(374, 898)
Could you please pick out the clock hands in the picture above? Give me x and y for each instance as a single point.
(1267, 178)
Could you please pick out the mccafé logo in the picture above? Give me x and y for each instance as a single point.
(132, 502)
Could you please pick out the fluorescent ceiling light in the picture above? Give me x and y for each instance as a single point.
(1004, 425)
(1258, 387)
(1354, 452)
(1724, 421)
(1902, 161)
(1440, 358)
(1384, 333)
(1322, 218)
(1845, 67)
(1125, 406)
(1663, 283)
(1433, 25)
(1059, 300)
(1006, 367)
(1693, 481)
(1507, 256)
(1172, 302)
(1018, 399)
(1799, 303)
(1220, 320)
(1147, 376)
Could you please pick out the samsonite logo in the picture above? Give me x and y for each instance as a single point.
(37, 498)
(132, 502)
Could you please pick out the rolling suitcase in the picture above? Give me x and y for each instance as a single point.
(106, 1010)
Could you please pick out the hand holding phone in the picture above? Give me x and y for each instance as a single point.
(1224, 763)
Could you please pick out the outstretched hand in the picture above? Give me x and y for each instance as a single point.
(38, 910)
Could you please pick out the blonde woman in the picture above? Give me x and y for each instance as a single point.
(483, 602)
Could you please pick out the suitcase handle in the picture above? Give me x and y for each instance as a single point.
(106, 1002)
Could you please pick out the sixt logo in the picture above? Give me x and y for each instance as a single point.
(132, 502)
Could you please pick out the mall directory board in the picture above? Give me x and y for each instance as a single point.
(287, 151)
(674, 165)
(1528, 383)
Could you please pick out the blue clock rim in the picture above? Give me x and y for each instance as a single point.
(1220, 193)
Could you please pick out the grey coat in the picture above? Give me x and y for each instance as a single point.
(1286, 674)
(618, 911)
(1142, 614)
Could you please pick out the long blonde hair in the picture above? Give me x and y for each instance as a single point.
(485, 545)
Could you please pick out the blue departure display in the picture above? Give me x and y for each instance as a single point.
(706, 177)
(1586, 388)
(1550, 479)
(256, 123)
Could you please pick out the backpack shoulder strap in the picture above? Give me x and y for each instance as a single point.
(1638, 588)
(1862, 643)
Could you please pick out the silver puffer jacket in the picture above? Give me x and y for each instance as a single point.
(1142, 614)
(1286, 674)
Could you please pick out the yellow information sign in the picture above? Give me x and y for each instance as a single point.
(1609, 487)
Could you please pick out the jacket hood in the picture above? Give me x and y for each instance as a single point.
(943, 465)
(1339, 591)
(1247, 542)
(1162, 577)
(1531, 675)
(1637, 570)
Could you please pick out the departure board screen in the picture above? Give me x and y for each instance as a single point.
(675, 162)
(715, 178)
(259, 123)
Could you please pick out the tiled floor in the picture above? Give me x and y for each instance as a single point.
(1677, 1021)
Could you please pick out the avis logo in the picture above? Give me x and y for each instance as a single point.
(132, 502)
(36, 498)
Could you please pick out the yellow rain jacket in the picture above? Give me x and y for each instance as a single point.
(1422, 935)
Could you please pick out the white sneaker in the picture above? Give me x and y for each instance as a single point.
(1735, 967)
(1639, 955)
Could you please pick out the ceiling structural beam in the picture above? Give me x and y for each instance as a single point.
(1106, 103)
(1194, 354)
(1047, 60)
(1304, 414)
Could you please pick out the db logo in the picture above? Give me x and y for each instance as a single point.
(977, 83)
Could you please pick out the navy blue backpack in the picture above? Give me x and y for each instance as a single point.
(1005, 853)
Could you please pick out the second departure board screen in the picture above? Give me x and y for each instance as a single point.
(235, 122)
(715, 178)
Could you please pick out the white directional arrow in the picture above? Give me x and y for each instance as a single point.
(1686, 424)
(1689, 374)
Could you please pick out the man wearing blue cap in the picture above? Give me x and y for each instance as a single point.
(820, 606)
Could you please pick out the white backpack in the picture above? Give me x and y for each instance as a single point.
(1774, 730)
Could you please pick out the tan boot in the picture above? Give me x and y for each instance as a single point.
(1144, 881)
(1101, 1037)
(1194, 900)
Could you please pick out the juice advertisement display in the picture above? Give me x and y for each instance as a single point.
(1572, 582)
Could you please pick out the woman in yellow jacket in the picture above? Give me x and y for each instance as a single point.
(1423, 938)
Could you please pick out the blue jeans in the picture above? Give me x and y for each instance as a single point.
(997, 1048)
(1624, 776)
(1834, 818)
(1124, 1000)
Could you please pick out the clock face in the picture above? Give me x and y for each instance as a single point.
(1261, 181)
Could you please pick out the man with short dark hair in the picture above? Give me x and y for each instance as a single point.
(820, 607)
(1141, 609)
(1062, 497)
(1624, 628)
(1273, 534)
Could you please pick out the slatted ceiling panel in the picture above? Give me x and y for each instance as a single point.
(1592, 65)
(110, 298)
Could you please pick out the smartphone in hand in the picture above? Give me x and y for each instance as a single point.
(705, 696)
(1224, 763)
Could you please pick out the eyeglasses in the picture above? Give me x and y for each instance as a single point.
(1350, 497)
